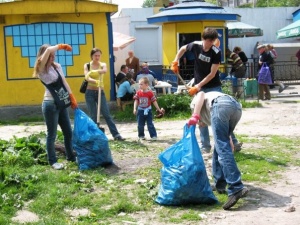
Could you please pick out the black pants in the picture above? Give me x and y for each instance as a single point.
(127, 97)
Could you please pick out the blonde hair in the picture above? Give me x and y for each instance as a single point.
(145, 80)
(36, 69)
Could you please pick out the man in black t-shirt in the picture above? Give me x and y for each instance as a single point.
(206, 73)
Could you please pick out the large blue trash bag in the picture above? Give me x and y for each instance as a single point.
(90, 143)
(183, 175)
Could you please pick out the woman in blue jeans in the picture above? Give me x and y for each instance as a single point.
(94, 74)
(51, 74)
(222, 112)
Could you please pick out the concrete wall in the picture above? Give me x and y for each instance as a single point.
(147, 46)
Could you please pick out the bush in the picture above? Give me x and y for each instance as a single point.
(176, 106)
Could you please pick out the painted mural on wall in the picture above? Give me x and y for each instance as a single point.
(28, 38)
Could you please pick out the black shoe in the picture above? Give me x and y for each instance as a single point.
(119, 138)
(220, 191)
(233, 199)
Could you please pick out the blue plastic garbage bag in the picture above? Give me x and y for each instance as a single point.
(89, 142)
(183, 175)
(264, 75)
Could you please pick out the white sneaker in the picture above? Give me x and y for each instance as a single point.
(57, 166)
(154, 138)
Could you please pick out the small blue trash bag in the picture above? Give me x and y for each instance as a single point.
(264, 75)
(183, 175)
(89, 142)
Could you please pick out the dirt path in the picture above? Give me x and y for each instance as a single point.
(267, 204)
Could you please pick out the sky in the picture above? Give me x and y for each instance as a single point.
(128, 3)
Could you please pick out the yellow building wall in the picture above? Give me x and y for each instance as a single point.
(19, 88)
(171, 34)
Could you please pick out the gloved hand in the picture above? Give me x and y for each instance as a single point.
(174, 67)
(193, 120)
(65, 47)
(74, 104)
(193, 90)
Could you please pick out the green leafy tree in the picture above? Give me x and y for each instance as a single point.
(148, 3)
(260, 3)
(277, 3)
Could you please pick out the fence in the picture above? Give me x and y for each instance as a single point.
(286, 71)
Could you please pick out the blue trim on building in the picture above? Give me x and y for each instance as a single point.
(195, 17)
(111, 57)
(192, 11)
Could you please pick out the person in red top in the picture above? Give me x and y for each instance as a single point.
(142, 109)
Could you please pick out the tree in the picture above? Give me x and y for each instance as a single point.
(148, 3)
(277, 3)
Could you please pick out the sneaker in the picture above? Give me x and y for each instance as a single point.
(57, 166)
(233, 199)
(119, 138)
(205, 149)
(141, 139)
(220, 191)
(154, 138)
(281, 89)
(238, 147)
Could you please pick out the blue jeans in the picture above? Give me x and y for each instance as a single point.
(225, 114)
(142, 119)
(204, 132)
(53, 117)
(91, 98)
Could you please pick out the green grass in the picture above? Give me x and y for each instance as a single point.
(113, 197)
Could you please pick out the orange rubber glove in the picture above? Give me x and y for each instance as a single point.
(174, 67)
(74, 104)
(193, 90)
(65, 47)
(193, 120)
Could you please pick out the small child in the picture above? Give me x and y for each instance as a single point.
(142, 108)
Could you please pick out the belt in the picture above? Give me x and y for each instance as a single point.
(215, 99)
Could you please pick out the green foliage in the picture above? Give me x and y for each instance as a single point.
(277, 3)
(247, 5)
(215, 2)
(148, 3)
(250, 104)
(263, 3)
(23, 120)
(176, 107)
(24, 152)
